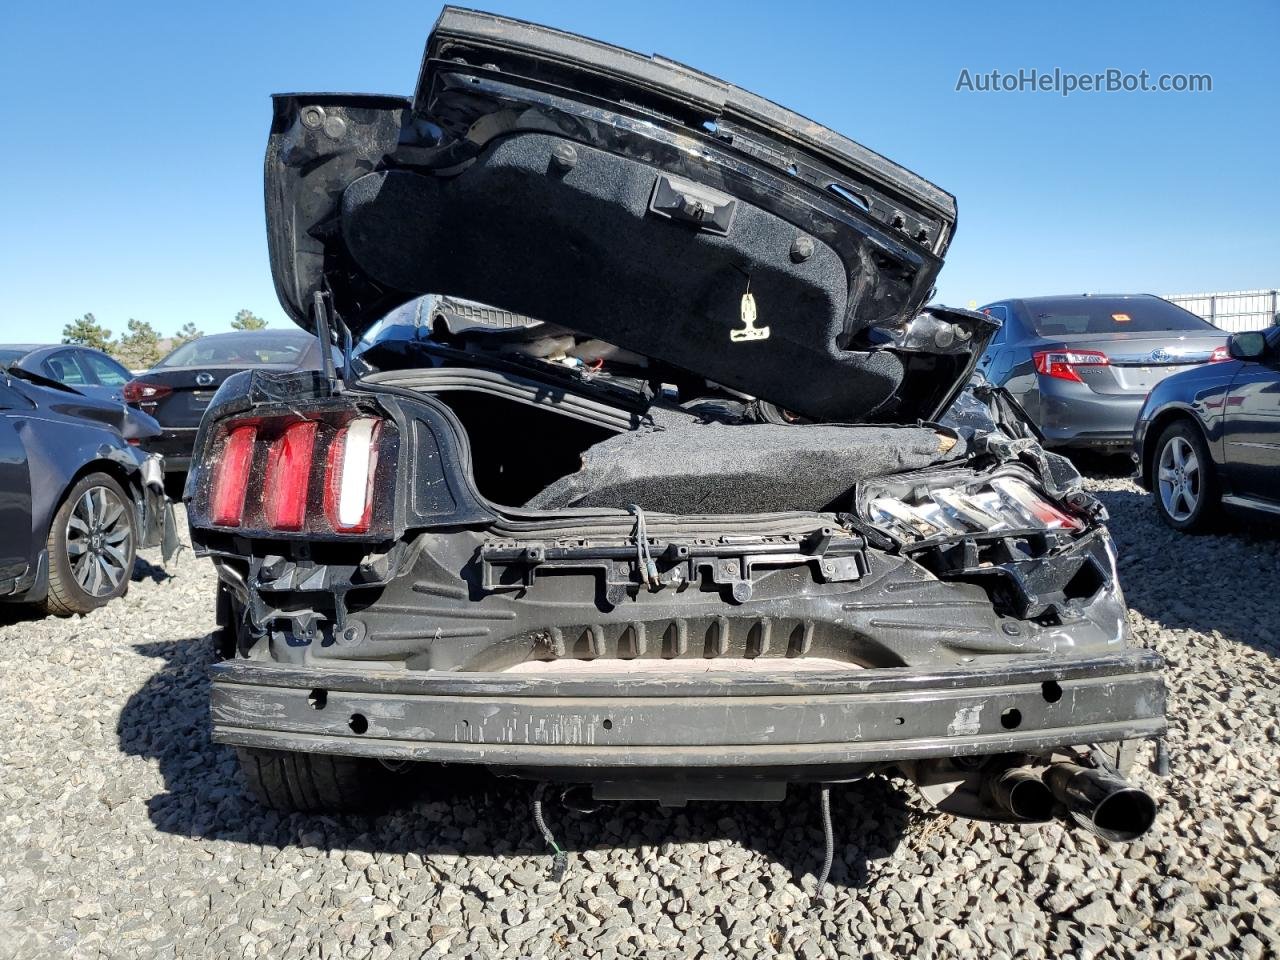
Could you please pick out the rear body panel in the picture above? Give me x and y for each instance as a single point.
(778, 647)
(193, 388)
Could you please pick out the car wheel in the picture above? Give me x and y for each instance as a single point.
(91, 546)
(314, 782)
(1184, 486)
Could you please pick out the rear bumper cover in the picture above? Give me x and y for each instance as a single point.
(779, 725)
(175, 445)
(1074, 415)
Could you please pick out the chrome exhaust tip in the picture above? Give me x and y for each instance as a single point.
(1021, 794)
(1106, 805)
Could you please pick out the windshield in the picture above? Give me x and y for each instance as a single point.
(1103, 315)
(230, 351)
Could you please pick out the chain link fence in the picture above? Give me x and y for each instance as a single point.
(1235, 310)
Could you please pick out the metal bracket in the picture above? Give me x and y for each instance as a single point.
(731, 565)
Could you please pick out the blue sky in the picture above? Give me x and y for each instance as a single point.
(131, 135)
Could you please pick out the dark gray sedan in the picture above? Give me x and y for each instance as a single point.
(77, 498)
(88, 371)
(1082, 365)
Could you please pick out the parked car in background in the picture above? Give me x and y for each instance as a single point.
(92, 372)
(177, 390)
(77, 499)
(1210, 437)
(590, 550)
(1081, 365)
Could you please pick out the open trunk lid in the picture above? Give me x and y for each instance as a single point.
(630, 199)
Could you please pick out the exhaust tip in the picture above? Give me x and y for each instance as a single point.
(1021, 793)
(1124, 815)
(1105, 805)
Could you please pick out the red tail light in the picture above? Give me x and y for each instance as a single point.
(1062, 363)
(231, 477)
(138, 391)
(288, 477)
(1220, 353)
(284, 474)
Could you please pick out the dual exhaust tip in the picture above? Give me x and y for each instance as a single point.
(1106, 805)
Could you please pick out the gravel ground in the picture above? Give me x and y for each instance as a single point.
(124, 832)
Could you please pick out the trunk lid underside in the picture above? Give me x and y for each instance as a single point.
(626, 198)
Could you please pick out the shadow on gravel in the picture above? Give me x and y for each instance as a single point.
(168, 720)
(146, 570)
(1094, 464)
(13, 613)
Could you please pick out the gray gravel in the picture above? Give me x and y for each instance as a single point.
(124, 832)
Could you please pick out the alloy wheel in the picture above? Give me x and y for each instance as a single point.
(1179, 478)
(99, 540)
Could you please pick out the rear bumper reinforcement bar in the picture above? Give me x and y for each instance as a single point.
(710, 721)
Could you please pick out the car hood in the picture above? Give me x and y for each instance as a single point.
(631, 199)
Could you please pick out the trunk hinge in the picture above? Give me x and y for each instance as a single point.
(327, 321)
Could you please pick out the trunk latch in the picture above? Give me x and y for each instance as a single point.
(693, 203)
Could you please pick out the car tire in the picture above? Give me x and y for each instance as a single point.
(91, 545)
(295, 782)
(1183, 483)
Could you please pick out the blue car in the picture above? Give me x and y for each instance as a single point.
(78, 497)
(88, 371)
(1210, 437)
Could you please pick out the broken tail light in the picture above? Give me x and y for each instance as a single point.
(289, 474)
(1003, 503)
(231, 481)
(1220, 354)
(1062, 364)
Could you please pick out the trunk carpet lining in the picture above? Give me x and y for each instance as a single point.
(714, 468)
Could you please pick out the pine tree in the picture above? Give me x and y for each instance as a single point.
(140, 347)
(186, 333)
(87, 331)
(245, 320)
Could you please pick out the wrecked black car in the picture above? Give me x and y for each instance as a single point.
(646, 468)
(78, 498)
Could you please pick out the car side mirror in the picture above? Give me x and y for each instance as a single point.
(1247, 346)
